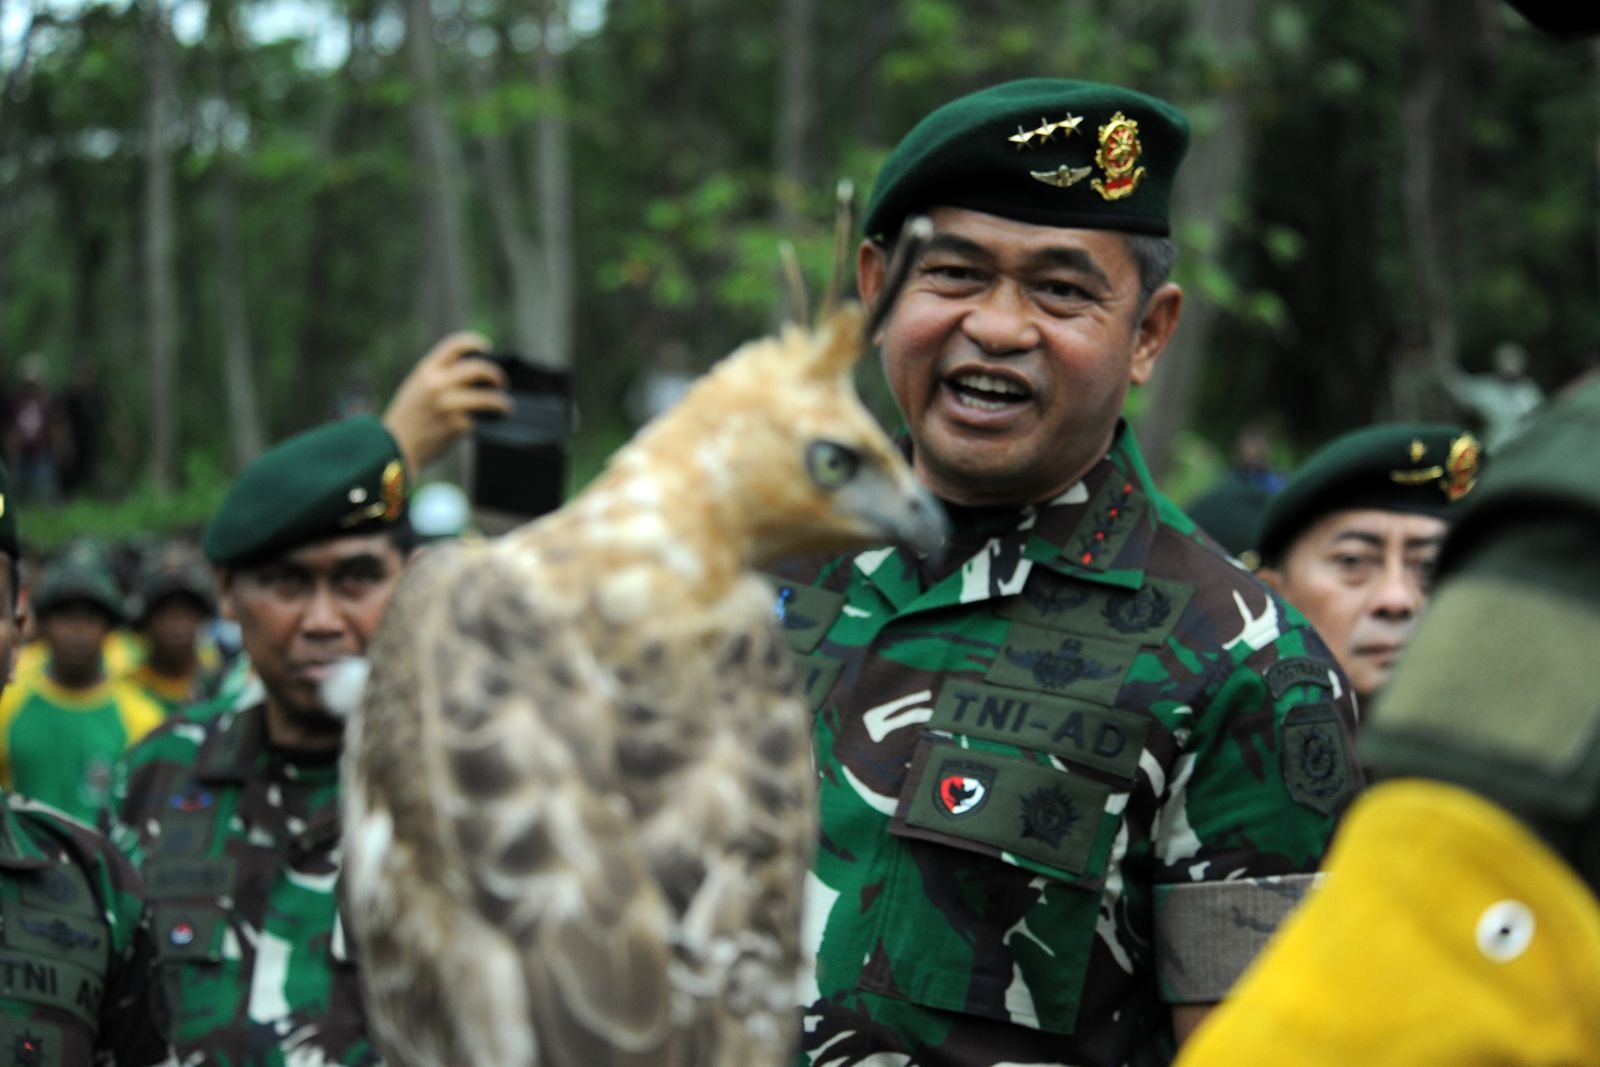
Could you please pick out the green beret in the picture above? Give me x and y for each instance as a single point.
(1042, 150)
(1231, 514)
(82, 573)
(342, 478)
(1422, 468)
(1497, 689)
(174, 571)
(9, 544)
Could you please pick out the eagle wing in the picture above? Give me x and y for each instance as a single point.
(573, 841)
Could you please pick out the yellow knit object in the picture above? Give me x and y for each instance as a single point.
(1445, 933)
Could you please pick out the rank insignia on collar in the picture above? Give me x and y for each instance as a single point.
(1044, 131)
(1118, 156)
(1461, 466)
(1061, 177)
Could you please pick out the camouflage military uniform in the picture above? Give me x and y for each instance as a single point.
(75, 947)
(238, 845)
(1073, 782)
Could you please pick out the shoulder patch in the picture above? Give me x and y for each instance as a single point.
(1298, 670)
(1316, 763)
(805, 614)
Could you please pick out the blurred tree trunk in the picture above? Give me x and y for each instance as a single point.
(1435, 116)
(539, 264)
(160, 301)
(446, 296)
(327, 331)
(238, 360)
(554, 194)
(792, 164)
(1211, 175)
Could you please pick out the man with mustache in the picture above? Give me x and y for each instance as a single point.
(1075, 767)
(231, 812)
(1351, 540)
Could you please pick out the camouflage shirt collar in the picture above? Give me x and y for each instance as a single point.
(1103, 528)
(17, 850)
(229, 752)
(1100, 530)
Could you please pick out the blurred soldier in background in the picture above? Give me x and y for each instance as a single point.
(1459, 923)
(1351, 540)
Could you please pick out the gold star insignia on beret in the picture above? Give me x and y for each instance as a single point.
(1044, 131)
(2, 505)
(1418, 450)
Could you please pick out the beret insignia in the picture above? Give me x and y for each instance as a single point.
(1062, 176)
(394, 490)
(1044, 131)
(1117, 156)
(1461, 467)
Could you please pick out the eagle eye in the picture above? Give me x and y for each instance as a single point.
(830, 464)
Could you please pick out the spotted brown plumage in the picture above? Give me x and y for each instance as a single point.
(580, 798)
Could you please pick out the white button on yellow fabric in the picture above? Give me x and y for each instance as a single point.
(1505, 930)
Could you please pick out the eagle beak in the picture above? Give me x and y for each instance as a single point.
(915, 520)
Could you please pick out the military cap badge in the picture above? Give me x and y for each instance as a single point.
(1461, 466)
(1118, 156)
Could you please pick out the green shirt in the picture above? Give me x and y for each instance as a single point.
(58, 745)
(1071, 776)
(76, 953)
(238, 843)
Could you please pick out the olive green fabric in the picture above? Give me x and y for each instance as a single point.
(1421, 468)
(336, 479)
(1499, 690)
(80, 574)
(1040, 150)
(1231, 513)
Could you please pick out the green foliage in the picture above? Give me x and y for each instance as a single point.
(674, 109)
(141, 512)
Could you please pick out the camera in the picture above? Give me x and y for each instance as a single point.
(520, 459)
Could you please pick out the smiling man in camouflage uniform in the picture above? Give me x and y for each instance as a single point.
(1076, 768)
(75, 945)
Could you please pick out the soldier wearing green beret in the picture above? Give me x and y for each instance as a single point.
(1075, 767)
(1460, 923)
(231, 810)
(1352, 538)
(232, 817)
(63, 726)
(76, 953)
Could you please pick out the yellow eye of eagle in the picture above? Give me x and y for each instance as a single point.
(830, 464)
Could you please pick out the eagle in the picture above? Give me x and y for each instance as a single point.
(578, 791)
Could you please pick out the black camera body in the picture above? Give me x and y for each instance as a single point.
(520, 459)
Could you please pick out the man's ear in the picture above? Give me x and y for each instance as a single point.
(872, 259)
(1156, 326)
(224, 578)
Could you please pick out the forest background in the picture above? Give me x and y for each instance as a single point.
(243, 218)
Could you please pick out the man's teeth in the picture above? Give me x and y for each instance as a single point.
(970, 385)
